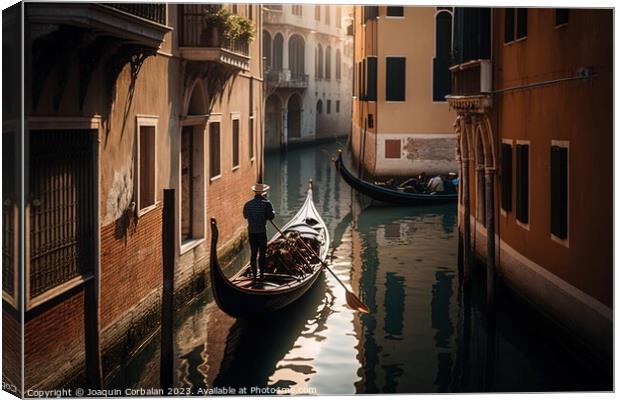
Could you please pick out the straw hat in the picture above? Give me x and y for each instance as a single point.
(260, 188)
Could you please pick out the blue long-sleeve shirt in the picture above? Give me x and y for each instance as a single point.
(257, 211)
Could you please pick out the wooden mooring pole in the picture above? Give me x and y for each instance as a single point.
(166, 366)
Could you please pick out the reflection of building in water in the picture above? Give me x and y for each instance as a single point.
(308, 72)
(403, 271)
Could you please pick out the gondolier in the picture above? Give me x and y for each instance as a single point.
(257, 211)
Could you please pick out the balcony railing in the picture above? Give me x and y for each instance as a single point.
(471, 78)
(152, 12)
(471, 86)
(287, 79)
(193, 32)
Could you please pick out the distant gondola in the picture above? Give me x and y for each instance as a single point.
(391, 196)
(244, 297)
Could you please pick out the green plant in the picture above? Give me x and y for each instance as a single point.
(240, 28)
(218, 18)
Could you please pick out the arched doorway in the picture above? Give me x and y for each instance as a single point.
(293, 116)
(273, 123)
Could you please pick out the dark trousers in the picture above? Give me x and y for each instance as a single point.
(258, 245)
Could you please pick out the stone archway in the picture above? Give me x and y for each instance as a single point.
(273, 123)
(293, 117)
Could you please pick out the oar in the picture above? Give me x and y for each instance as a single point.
(352, 300)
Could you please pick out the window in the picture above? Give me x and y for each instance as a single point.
(396, 11)
(297, 9)
(328, 62)
(267, 50)
(392, 148)
(363, 80)
(359, 80)
(370, 12)
(296, 55)
(337, 106)
(146, 160)
(523, 182)
(329, 106)
(319, 107)
(338, 17)
(515, 24)
(559, 191)
(371, 121)
(317, 12)
(442, 61)
(561, 16)
(235, 142)
(371, 93)
(192, 182)
(338, 67)
(235, 8)
(251, 137)
(214, 149)
(395, 79)
(328, 17)
(506, 177)
(319, 62)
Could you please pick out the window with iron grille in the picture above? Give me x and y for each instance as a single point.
(523, 182)
(214, 149)
(559, 191)
(62, 220)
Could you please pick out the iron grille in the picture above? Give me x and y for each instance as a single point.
(152, 12)
(61, 207)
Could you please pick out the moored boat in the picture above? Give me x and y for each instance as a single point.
(386, 195)
(242, 296)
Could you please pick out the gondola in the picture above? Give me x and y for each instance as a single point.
(391, 196)
(241, 296)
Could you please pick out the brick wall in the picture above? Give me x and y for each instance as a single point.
(54, 342)
(11, 349)
(131, 263)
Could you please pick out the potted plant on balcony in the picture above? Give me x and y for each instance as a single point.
(216, 24)
(240, 29)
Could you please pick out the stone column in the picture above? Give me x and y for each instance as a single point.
(284, 128)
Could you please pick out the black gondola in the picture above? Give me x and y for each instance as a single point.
(391, 196)
(241, 296)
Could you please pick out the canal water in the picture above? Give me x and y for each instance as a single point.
(424, 333)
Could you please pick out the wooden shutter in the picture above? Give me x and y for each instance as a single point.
(371, 94)
(521, 22)
(523, 182)
(392, 148)
(395, 79)
(559, 191)
(506, 177)
(509, 25)
(214, 149)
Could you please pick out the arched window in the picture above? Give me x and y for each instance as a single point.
(267, 50)
(319, 62)
(328, 62)
(441, 62)
(319, 107)
(327, 15)
(296, 54)
(278, 44)
(317, 12)
(338, 67)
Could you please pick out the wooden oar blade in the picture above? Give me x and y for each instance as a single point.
(355, 303)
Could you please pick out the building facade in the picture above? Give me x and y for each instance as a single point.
(532, 90)
(123, 101)
(401, 120)
(308, 73)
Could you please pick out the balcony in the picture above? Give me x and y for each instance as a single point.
(471, 86)
(139, 23)
(200, 43)
(273, 14)
(285, 79)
